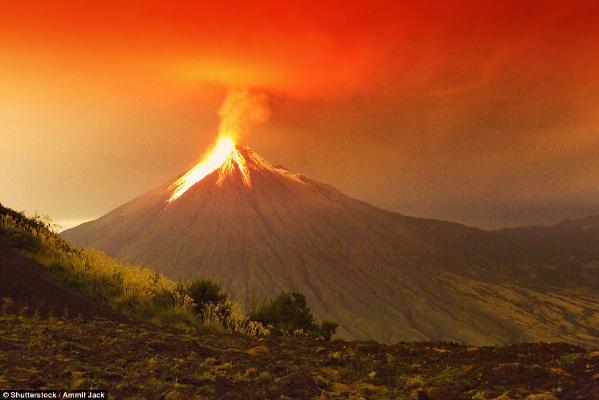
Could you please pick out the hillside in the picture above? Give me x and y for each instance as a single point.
(380, 275)
(42, 276)
(29, 288)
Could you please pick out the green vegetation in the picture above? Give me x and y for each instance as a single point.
(289, 314)
(205, 292)
(209, 298)
(570, 358)
(214, 309)
(137, 293)
(448, 375)
(144, 295)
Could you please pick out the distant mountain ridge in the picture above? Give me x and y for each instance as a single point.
(379, 274)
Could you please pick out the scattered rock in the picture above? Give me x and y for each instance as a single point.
(257, 350)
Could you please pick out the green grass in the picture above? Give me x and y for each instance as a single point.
(448, 375)
(135, 292)
(570, 358)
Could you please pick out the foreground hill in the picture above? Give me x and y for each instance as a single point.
(142, 362)
(379, 275)
(32, 289)
(42, 275)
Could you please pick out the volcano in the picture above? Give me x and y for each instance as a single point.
(259, 229)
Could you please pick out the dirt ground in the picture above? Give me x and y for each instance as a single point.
(142, 362)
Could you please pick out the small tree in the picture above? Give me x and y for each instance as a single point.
(327, 329)
(205, 292)
(289, 313)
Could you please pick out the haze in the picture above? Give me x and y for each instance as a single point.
(480, 113)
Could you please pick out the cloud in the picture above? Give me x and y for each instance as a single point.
(240, 110)
(329, 50)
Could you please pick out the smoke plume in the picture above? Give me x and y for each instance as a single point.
(240, 110)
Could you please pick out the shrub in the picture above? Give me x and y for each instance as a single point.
(569, 358)
(448, 375)
(327, 329)
(289, 314)
(216, 311)
(174, 318)
(211, 302)
(204, 292)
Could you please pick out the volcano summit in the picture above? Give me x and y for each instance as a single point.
(258, 229)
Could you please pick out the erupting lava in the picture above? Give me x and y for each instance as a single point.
(224, 156)
(239, 111)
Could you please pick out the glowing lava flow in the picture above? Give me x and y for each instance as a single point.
(224, 156)
(235, 159)
(240, 110)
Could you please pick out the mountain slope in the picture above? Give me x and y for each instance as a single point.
(380, 275)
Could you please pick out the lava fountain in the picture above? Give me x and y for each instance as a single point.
(240, 110)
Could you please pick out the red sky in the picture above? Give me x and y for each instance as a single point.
(480, 112)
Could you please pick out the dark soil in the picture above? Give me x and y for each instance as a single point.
(142, 362)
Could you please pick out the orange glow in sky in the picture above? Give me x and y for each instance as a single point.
(481, 112)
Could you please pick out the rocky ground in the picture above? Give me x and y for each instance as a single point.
(134, 361)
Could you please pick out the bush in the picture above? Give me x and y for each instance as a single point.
(174, 318)
(209, 299)
(204, 291)
(327, 329)
(289, 314)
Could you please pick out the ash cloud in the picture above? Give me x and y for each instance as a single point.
(241, 110)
